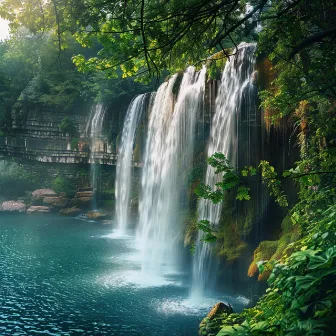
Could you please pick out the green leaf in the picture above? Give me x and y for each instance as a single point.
(204, 225)
(243, 193)
(209, 238)
(304, 282)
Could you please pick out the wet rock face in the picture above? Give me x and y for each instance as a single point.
(72, 212)
(40, 209)
(13, 206)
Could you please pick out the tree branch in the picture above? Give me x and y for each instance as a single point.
(315, 38)
(239, 23)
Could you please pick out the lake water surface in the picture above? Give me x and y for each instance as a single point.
(64, 276)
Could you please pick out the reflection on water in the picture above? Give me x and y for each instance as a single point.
(62, 276)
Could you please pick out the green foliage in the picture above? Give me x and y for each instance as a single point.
(74, 144)
(35, 76)
(301, 293)
(229, 180)
(62, 184)
(15, 179)
(215, 65)
(196, 172)
(270, 178)
(137, 38)
(108, 194)
(243, 193)
(68, 126)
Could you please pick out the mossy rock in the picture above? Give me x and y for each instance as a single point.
(236, 222)
(287, 225)
(212, 323)
(284, 243)
(264, 251)
(274, 250)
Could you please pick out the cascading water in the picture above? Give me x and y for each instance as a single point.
(169, 151)
(94, 128)
(124, 164)
(236, 82)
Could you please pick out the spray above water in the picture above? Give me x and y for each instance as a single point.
(169, 152)
(125, 161)
(236, 81)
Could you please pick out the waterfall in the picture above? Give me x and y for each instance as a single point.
(124, 163)
(236, 81)
(169, 152)
(94, 129)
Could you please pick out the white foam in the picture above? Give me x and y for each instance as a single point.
(243, 300)
(117, 234)
(182, 307)
(134, 279)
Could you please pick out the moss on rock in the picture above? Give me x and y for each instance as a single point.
(191, 230)
(236, 222)
(274, 250)
(212, 323)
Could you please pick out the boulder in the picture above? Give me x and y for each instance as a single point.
(97, 215)
(57, 202)
(38, 209)
(13, 206)
(40, 194)
(219, 308)
(72, 212)
(212, 323)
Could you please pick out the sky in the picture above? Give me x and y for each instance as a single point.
(3, 29)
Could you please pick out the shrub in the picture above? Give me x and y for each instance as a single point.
(15, 179)
(61, 184)
(68, 126)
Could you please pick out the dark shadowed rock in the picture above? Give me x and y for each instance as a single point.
(82, 199)
(82, 202)
(57, 202)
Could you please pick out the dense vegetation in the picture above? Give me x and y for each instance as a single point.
(148, 38)
(36, 76)
(14, 178)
